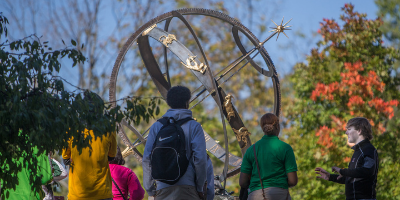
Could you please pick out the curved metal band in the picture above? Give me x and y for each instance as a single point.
(152, 66)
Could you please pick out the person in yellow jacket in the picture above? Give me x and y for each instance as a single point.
(89, 173)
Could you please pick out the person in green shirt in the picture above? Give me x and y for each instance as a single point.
(276, 162)
(24, 190)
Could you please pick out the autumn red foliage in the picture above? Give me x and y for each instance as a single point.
(325, 139)
(361, 88)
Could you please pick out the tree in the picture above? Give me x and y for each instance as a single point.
(350, 74)
(34, 101)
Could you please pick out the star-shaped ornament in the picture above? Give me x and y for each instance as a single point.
(280, 28)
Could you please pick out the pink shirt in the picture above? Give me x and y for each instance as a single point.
(127, 181)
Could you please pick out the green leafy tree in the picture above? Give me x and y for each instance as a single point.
(349, 74)
(34, 101)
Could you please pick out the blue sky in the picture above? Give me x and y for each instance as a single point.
(307, 14)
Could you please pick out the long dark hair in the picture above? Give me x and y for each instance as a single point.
(119, 160)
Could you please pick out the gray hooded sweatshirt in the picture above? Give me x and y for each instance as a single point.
(195, 142)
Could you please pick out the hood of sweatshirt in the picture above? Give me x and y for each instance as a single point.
(178, 114)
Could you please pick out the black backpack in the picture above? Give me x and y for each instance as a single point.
(168, 155)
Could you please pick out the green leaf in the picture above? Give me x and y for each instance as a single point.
(73, 42)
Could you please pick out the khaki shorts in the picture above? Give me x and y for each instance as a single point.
(178, 192)
(271, 193)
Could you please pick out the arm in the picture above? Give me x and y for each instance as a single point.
(337, 178)
(291, 167)
(244, 180)
(292, 179)
(135, 189)
(329, 177)
(199, 155)
(365, 171)
(148, 182)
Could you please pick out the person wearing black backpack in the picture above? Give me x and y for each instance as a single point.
(175, 157)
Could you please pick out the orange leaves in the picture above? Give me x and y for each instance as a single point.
(373, 79)
(359, 84)
(355, 101)
(358, 87)
(381, 129)
(325, 92)
(384, 107)
(359, 92)
(324, 137)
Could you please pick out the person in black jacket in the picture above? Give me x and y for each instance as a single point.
(361, 176)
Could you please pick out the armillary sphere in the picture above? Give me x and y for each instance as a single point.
(204, 74)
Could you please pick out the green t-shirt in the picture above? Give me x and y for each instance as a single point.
(23, 189)
(275, 159)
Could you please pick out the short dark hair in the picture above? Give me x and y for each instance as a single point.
(270, 124)
(119, 160)
(178, 96)
(361, 123)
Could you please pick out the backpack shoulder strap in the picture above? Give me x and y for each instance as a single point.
(182, 121)
(163, 121)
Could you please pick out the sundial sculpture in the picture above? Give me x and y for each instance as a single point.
(203, 72)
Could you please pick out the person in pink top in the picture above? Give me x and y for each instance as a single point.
(125, 179)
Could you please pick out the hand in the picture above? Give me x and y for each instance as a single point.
(201, 195)
(336, 169)
(324, 174)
